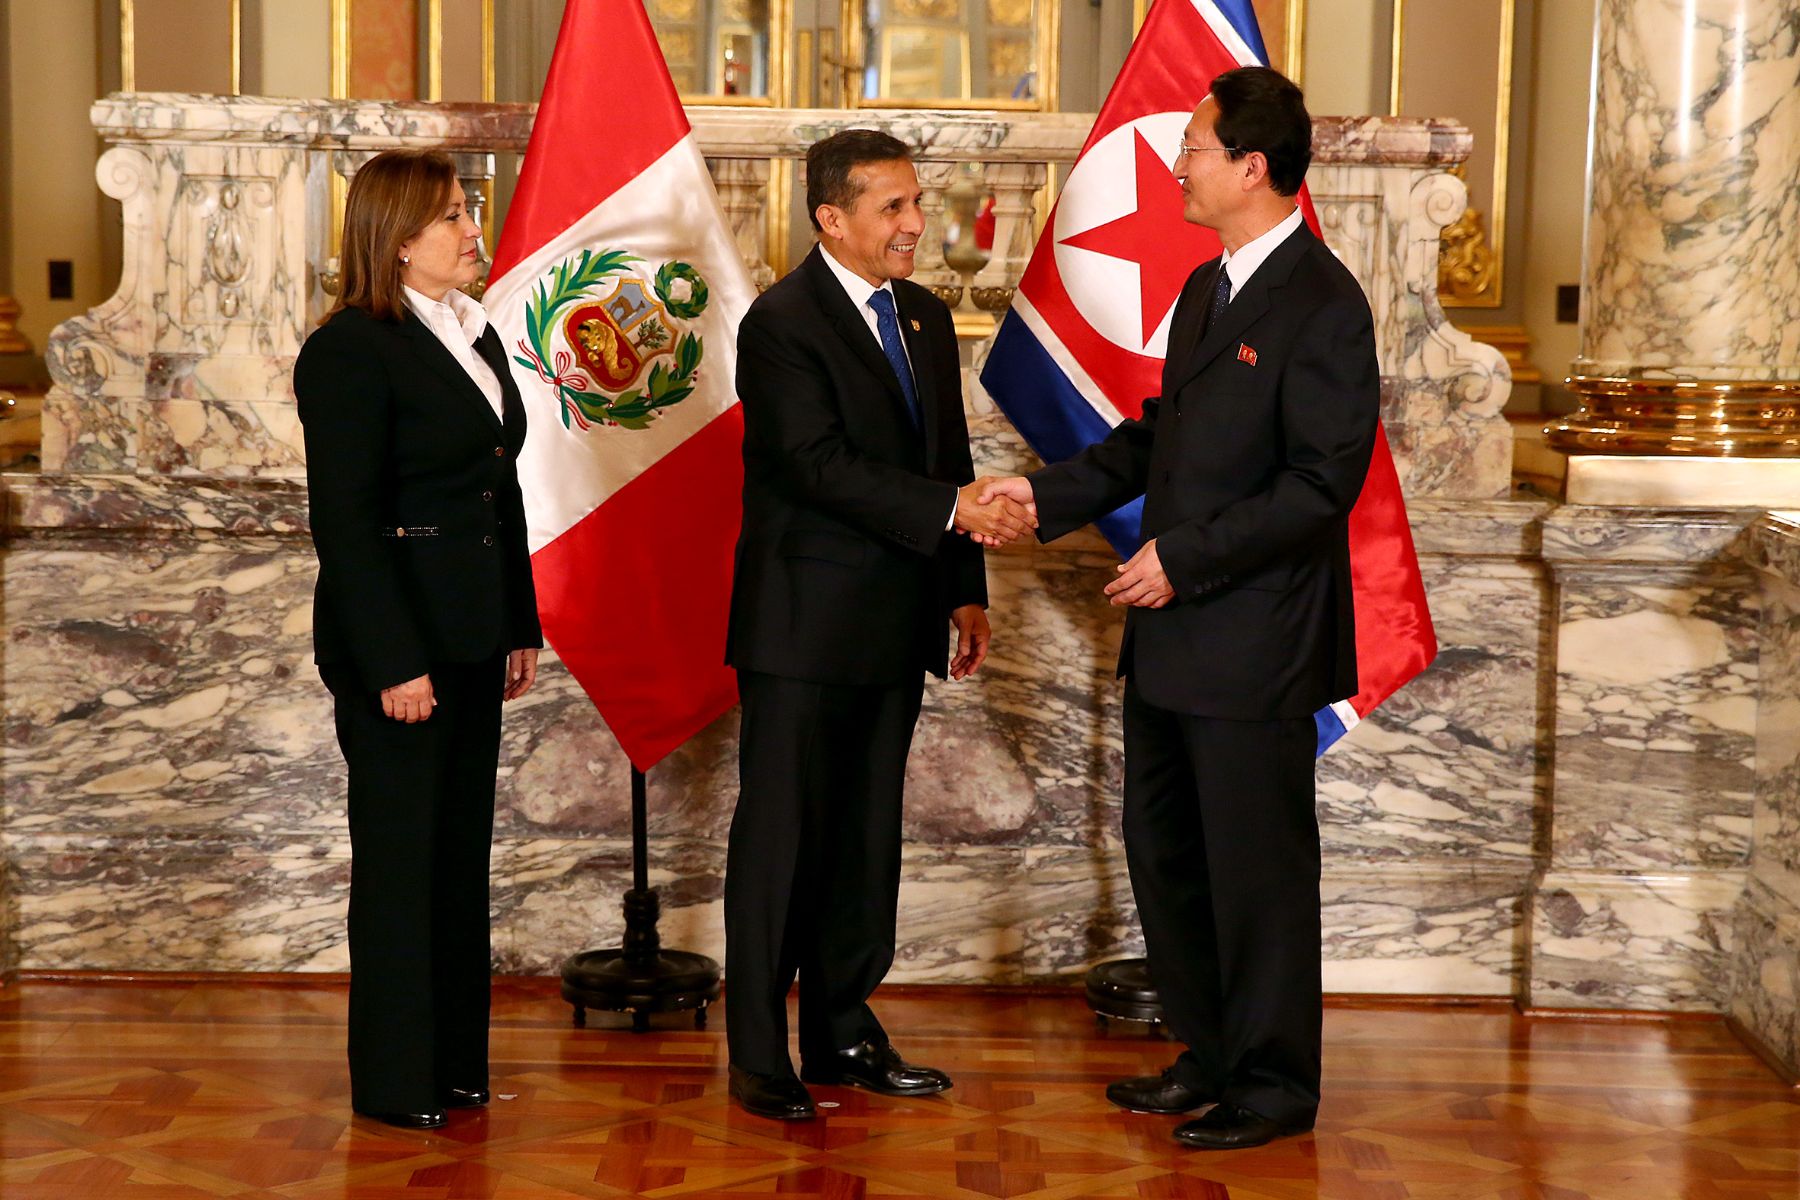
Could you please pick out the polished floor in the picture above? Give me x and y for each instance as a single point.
(177, 1090)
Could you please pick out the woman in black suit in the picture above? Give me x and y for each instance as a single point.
(424, 620)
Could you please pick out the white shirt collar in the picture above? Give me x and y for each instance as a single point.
(1253, 253)
(855, 286)
(462, 310)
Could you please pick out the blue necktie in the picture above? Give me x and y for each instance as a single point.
(1220, 298)
(889, 326)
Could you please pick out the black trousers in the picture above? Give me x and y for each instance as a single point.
(812, 876)
(421, 831)
(1223, 844)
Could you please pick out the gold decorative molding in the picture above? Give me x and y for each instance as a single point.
(1293, 58)
(488, 88)
(1697, 418)
(1466, 265)
(11, 340)
(434, 50)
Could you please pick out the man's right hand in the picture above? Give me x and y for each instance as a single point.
(991, 513)
(411, 701)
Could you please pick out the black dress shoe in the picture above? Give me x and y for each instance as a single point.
(465, 1097)
(430, 1119)
(1156, 1094)
(1229, 1127)
(778, 1097)
(878, 1068)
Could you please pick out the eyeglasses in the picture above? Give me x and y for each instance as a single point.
(1183, 150)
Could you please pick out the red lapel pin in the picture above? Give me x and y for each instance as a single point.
(1246, 354)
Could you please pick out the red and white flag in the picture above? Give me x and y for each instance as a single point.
(617, 288)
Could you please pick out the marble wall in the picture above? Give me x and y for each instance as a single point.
(173, 797)
(1764, 982)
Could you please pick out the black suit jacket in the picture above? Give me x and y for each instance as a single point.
(1248, 471)
(399, 438)
(845, 573)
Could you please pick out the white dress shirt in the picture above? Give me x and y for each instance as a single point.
(1253, 253)
(456, 321)
(860, 291)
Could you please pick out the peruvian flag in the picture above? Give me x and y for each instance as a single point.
(1088, 330)
(617, 289)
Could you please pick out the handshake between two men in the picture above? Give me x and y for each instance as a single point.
(997, 510)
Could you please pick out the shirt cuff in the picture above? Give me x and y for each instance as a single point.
(951, 523)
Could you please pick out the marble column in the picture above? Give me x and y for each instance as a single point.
(1690, 330)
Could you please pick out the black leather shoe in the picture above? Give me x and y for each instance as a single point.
(878, 1068)
(432, 1119)
(1155, 1094)
(1229, 1127)
(465, 1097)
(778, 1097)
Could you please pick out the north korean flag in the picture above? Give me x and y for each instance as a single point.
(1085, 340)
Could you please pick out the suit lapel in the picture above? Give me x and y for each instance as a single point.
(850, 324)
(493, 352)
(438, 357)
(1184, 341)
(1245, 310)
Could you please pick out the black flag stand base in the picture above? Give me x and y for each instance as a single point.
(1121, 990)
(640, 977)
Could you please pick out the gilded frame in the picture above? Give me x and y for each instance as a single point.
(1046, 32)
(781, 77)
(1492, 295)
(128, 46)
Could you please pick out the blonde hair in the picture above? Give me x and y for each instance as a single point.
(392, 199)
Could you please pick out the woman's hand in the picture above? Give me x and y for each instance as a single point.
(521, 672)
(410, 701)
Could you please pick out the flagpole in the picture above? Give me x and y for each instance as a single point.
(640, 977)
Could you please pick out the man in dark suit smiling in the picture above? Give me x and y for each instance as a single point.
(849, 573)
(1240, 624)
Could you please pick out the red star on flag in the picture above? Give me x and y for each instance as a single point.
(1165, 247)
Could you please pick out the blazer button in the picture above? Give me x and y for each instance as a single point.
(488, 496)
(499, 451)
(487, 539)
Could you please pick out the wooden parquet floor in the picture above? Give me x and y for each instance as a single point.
(186, 1090)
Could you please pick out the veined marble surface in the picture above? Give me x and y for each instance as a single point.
(169, 756)
(1693, 229)
(1656, 708)
(1651, 942)
(1765, 979)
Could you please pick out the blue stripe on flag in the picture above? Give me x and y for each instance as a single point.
(1330, 728)
(1054, 417)
(1243, 19)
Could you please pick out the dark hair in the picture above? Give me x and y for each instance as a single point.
(392, 197)
(1262, 111)
(830, 161)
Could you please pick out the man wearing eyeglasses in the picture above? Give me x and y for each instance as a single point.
(1239, 622)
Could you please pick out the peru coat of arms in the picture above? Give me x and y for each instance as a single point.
(612, 339)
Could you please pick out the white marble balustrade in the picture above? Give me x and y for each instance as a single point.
(227, 252)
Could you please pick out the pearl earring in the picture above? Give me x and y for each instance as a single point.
(405, 260)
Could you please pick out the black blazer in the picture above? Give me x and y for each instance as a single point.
(1248, 471)
(413, 489)
(845, 573)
